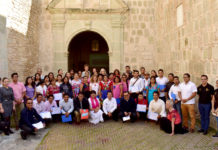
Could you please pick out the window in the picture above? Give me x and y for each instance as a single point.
(179, 15)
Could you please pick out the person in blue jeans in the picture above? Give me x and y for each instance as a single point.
(215, 107)
(206, 93)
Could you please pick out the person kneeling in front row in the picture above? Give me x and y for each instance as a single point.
(110, 107)
(157, 106)
(29, 116)
(172, 123)
(67, 107)
(80, 104)
(128, 108)
(96, 114)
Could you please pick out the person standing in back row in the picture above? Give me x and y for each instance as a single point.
(205, 92)
(136, 85)
(188, 93)
(19, 92)
(162, 81)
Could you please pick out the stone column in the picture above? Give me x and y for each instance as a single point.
(60, 58)
(116, 54)
(3, 48)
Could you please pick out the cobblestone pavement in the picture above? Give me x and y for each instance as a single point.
(14, 141)
(118, 136)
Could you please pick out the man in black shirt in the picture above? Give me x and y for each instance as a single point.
(128, 107)
(169, 84)
(80, 103)
(29, 116)
(205, 92)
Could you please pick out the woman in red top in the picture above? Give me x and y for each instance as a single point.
(53, 88)
(141, 101)
(172, 124)
(104, 87)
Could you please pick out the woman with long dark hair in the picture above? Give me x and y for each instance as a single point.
(37, 79)
(66, 88)
(51, 76)
(46, 80)
(125, 82)
(151, 88)
(105, 86)
(30, 89)
(117, 89)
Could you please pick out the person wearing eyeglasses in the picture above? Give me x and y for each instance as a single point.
(29, 116)
(128, 107)
(205, 92)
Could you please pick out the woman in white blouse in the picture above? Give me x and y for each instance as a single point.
(41, 89)
(94, 85)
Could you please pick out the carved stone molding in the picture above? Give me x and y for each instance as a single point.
(58, 24)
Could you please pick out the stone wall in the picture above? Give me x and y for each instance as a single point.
(23, 47)
(45, 38)
(139, 34)
(191, 47)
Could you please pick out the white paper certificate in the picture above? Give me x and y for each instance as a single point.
(55, 110)
(152, 115)
(141, 108)
(126, 118)
(38, 125)
(46, 115)
(58, 96)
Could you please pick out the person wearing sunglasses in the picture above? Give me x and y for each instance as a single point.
(29, 116)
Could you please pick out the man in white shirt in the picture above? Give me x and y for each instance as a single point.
(157, 106)
(110, 107)
(66, 105)
(188, 92)
(146, 83)
(38, 104)
(136, 85)
(162, 81)
(175, 95)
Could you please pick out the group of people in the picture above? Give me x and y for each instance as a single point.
(98, 96)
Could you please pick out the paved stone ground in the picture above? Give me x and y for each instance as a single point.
(118, 136)
(14, 141)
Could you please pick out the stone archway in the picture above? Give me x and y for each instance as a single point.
(88, 47)
(69, 19)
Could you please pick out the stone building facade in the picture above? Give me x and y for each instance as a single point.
(176, 35)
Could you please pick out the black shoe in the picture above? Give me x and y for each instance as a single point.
(23, 135)
(6, 133)
(215, 135)
(10, 131)
(33, 133)
(201, 130)
(205, 132)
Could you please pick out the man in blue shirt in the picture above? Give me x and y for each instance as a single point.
(29, 116)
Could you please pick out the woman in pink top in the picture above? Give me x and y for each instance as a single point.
(117, 89)
(172, 124)
(125, 83)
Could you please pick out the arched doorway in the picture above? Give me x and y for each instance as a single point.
(88, 47)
